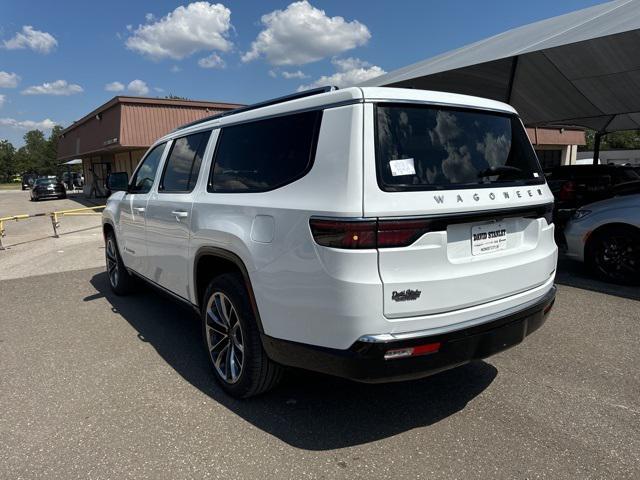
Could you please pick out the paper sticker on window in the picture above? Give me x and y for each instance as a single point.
(402, 167)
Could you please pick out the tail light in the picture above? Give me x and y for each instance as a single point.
(359, 234)
(398, 232)
(344, 234)
(567, 191)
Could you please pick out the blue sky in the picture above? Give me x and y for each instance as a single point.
(58, 59)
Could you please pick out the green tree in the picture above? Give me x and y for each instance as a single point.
(31, 156)
(39, 154)
(629, 139)
(7, 161)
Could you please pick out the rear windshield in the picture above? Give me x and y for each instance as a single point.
(46, 181)
(428, 147)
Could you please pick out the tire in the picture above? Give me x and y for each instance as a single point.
(613, 254)
(120, 280)
(226, 308)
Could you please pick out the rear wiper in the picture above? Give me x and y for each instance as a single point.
(504, 169)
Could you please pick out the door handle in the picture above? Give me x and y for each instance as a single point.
(180, 214)
(139, 209)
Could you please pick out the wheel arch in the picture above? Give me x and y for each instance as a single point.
(602, 228)
(209, 262)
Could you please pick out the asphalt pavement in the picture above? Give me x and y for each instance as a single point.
(98, 386)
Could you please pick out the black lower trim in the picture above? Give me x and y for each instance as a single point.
(365, 361)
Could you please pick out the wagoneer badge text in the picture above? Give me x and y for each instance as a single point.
(476, 196)
(405, 295)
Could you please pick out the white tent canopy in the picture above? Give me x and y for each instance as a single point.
(581, 69)
(75, 161)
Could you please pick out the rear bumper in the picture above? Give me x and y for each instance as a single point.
(364, 361)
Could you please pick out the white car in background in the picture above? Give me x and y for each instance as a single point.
(606, 236)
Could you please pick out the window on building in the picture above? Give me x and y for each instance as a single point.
(266, 154)
(142, 180)
(183, 163)
(549, 158)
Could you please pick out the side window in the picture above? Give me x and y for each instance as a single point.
(145, 174)
(266, 154)
(183, 163)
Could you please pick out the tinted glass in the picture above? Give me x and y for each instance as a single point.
(46, 181)
(183, 164)
(266, 154)
(420, 147)
(142, 181)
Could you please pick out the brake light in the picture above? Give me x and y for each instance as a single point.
(359, 234)
(344, 233)
(399, 233)
(568, 191)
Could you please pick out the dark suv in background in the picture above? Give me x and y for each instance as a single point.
(27, 180)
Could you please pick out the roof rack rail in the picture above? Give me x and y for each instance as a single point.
(273, 101)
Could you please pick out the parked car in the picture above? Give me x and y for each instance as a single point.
(576, 185)
(606, 236)
(47, 188)
(27, 181)
(376, 234)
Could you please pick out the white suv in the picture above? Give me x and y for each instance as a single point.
(372, 233)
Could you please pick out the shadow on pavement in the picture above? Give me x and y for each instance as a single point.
(309, 411)
(575, 274)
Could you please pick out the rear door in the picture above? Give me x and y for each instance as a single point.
(461, 204)
(169, 214)
(133, 206)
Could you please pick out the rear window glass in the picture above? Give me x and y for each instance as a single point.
(427, 147)
(266, 154)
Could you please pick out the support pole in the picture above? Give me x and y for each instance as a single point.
(596, 147)
(54, 223)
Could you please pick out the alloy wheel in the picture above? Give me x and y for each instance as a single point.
(112, 262)
(619, 257)
(225, 338)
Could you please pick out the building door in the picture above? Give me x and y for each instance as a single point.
(100, 172)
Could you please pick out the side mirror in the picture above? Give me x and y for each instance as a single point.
(118, 182)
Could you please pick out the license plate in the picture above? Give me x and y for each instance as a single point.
(488, 238)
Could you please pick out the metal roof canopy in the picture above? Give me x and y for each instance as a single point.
(578, 69)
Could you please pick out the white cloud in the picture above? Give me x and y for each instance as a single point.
(302, 34)
(212, 61)
(149, 17)
(41, 42)
(114, 87)
(138, 87)
(9, 80)
(297, 74)
(59, 87)
(46, 124)
(350, 71)
(495, 149)
(3, 98)
(183, 32)
(158, 89)
(175, 69)
(273, 74)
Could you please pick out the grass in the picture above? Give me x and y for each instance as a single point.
(10, 186)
